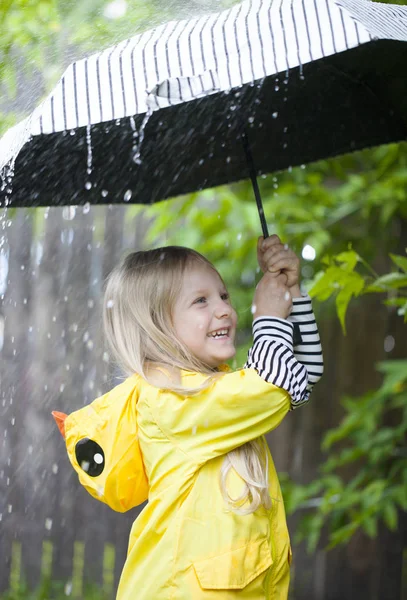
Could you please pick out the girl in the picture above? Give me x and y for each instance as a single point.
(187, 432)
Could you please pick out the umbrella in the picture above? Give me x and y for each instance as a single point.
(211, 100)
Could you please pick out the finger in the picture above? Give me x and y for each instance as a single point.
(282, 263)
(276, 249)
(282, 257)
(270, 241)
(272, 252)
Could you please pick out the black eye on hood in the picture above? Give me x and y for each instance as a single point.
(90, 457)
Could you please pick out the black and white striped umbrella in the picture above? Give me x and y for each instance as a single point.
(161, 114)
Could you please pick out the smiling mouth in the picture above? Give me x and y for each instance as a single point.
(220, 334)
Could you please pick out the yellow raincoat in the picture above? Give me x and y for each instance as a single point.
(140, 441)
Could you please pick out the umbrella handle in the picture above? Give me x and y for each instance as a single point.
(253, 177)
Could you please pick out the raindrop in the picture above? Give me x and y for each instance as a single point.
(48, 524)
(55, 468)
(104, 193)
(308, 252)
(276, 88)
(89, 146)
(194, 428)
(253, 309)
(72, 132)
(127, 195)
(137, 146)
(109, 304)
(88, 185)
(228, 159)
(68, 588)
(251, 119)
(389, 343)
(275, 115)
(287, 296)
(68, 213)
(239, 236)
(86, 207)
(201, 161)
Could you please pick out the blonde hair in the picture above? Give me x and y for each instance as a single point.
(140, 294)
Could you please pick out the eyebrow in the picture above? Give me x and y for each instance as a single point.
(204, 291)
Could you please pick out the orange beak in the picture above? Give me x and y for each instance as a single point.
(60, 421)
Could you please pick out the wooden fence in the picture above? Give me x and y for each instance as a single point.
(53, 358)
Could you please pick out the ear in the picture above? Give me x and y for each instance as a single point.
(60, 421)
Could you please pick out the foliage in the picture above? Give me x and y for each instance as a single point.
(371, 436)
(53, 590)
(341, 277)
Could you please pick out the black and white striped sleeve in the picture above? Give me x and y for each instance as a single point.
(307, 344)
(272, 357)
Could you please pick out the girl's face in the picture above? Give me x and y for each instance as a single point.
(202, 309)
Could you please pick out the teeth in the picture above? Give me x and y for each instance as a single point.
(220, 333)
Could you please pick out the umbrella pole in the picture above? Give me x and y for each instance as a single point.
(253, 177)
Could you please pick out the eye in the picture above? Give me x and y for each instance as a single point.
(90, 457)
(198, 300)
(225, 296)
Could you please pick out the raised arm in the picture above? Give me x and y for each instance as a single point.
(307, 343)
(272, 351)
(277, 258)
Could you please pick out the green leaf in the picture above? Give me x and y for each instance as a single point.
(353, 288)
(400, 261)
(349, 259)
(390, 516)
(391, 280)
(369, 525)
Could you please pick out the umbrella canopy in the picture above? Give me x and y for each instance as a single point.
(162, 114)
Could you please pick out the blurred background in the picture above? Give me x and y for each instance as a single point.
(342, 459)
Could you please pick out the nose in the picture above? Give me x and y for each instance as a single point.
(223, 309)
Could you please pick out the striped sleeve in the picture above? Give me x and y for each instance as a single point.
(307, 344)
(272, 357)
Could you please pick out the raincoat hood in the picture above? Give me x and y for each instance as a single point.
(103, 447)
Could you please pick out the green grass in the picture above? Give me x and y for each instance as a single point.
(76, 588)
